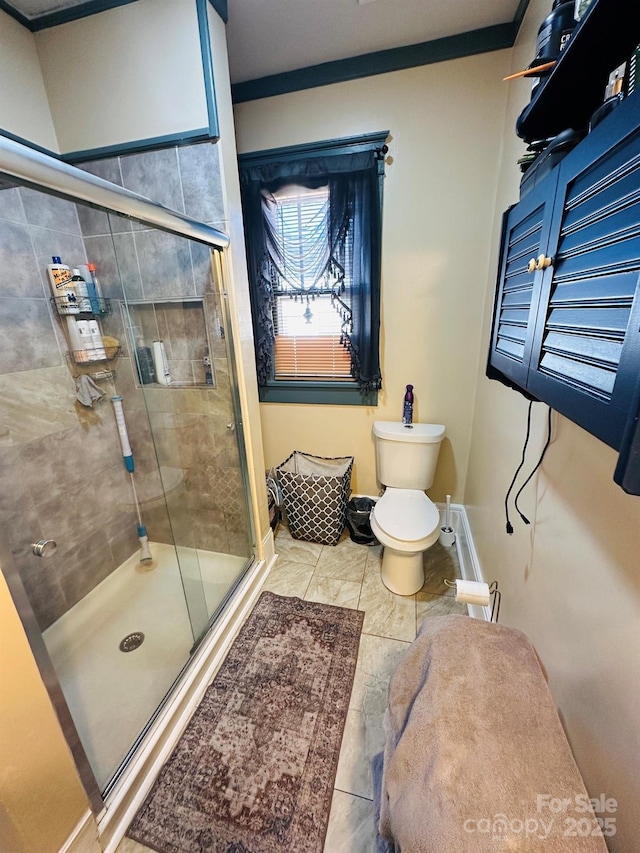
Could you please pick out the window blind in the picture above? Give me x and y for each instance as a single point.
(308, 339)
(308, 328)
(314, 358)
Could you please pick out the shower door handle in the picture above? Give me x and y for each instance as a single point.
(44, 547)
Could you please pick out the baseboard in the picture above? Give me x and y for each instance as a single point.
(84, 838)
(467, 556)
(268, 546)
(131, 790)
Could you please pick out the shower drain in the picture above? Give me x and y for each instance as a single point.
(131, 641)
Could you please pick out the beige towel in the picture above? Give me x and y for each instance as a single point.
(475, 750)
(87, 392)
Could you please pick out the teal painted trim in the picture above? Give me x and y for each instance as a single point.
(521, 11)
(317, 393)
(207, 67)
(221, 8)
(341, 145)
(17, 16)
(92, 7)
(488, 39)
(168, 141)
(15, 138)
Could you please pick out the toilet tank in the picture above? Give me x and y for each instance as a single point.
(407, 454)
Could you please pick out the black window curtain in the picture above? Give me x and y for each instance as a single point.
(354, 217)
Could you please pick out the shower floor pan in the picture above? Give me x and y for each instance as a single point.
(111, 694)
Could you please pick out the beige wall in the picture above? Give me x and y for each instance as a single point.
(235, 270)
(445, 122)
(24, 108)
(41, 798)
(130, 73)
(571, 579)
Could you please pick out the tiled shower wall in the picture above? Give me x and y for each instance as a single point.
(60, 463)
(61, 468)
(193, 441)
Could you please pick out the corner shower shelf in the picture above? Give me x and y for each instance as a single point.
(97, 368)
(81, 356)
(102, 307)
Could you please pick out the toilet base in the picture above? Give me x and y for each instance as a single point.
(402, 572)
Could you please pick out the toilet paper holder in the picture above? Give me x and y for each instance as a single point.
(474, 592)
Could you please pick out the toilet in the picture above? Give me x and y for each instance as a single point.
(404, 520)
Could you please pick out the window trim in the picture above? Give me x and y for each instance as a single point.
(333, 393)
(310, 150)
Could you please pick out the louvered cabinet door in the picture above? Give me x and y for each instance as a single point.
(524, 238)
(585, 350)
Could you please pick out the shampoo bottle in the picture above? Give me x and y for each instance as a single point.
(144, 363)
(95, 292)
(76, 341)
(97, 343)
(62, 287)
(407, 409)
(161, 364)
(85, 351)
(82, 292)
(85, 272)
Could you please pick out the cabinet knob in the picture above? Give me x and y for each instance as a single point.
(543, 262)
(532, 265)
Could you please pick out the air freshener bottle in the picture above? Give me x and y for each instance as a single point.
(407, 410)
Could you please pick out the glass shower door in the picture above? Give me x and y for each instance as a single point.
(118, 630)
(177, 344)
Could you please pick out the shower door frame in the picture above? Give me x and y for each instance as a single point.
(41, 172)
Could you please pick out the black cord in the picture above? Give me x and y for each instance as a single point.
(518, 469)
(544, 450)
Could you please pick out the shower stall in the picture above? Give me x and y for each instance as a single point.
(115, 634)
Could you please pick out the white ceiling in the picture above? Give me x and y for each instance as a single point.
(270, 36)
(34, 8)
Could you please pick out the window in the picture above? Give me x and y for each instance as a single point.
(310, 321)
(312, 225)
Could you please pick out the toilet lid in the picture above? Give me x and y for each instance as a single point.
(406, 514)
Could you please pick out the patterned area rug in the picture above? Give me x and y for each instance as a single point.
(254, 770)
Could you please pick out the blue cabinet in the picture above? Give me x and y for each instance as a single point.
(567, 332)
(525, 236)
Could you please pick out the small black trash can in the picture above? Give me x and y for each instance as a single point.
(358, 515)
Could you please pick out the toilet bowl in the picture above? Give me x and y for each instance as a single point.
(404, 520)
(406, 523)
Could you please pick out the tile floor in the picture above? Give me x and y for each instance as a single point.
(349, 575)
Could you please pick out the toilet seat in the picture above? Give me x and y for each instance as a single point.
(407, 517)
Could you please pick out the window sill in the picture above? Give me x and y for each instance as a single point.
(317, 393)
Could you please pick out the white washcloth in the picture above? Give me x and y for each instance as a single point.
(87, 392)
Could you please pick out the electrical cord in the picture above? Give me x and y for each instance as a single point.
(518, 469)
(539, 463)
